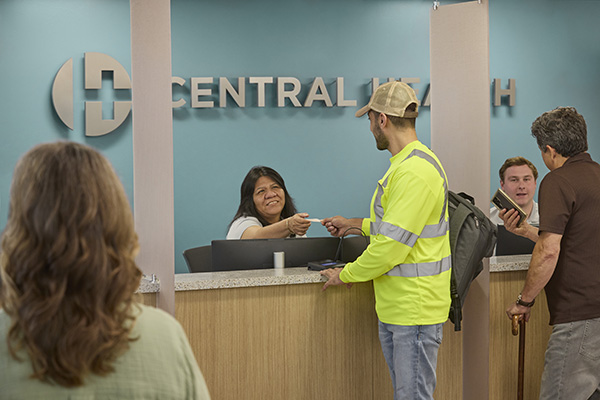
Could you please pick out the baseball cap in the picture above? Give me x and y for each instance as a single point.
(392, 98)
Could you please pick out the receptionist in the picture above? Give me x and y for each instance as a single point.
(266, 208)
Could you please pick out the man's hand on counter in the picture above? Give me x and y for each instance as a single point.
(333, 278)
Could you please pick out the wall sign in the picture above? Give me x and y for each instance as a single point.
(287, 92)
(94, 65)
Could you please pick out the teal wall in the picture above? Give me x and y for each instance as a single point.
(552, 49)
(326, 156)
(36, 38)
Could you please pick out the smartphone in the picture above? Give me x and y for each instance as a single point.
(502, 201)
(324, 264)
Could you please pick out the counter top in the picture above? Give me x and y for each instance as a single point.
(287, 276)
(292, 276)
(149, 284)
(510, 263)
(256, 277)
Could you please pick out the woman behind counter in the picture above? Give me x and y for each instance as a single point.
(266, 209)
(70, 326)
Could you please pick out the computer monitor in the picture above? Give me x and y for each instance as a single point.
(508, 243)
(231, 255)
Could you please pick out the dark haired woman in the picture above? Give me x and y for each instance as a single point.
(266, 208)
(70, 326)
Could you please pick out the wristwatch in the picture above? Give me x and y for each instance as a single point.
(524, 303)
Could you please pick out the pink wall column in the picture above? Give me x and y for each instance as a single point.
(460, 136)
(153, 142)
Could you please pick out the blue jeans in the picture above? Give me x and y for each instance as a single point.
(411, 356)
(572, 364)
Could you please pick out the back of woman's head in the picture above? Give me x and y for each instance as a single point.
(67, 271)
(247, 207)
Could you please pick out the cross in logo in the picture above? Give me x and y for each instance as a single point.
(94, 65)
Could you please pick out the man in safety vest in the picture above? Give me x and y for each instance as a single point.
(408, 257)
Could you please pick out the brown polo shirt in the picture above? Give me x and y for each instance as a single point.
(570, 205)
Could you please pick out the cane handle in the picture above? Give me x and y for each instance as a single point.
(515, 324)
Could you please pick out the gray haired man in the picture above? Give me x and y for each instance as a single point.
(566, 258)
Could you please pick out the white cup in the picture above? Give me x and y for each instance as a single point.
(279, 259)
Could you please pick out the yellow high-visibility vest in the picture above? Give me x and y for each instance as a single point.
(408, 257)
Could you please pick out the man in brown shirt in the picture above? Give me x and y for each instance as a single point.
(566, 258)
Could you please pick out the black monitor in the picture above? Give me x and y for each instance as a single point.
(508, 243)
(230, 255)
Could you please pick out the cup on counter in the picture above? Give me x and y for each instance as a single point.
(279, 262)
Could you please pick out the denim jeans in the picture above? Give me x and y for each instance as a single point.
(411, 356)
(572, 364)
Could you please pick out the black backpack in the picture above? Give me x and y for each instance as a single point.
(472, 238)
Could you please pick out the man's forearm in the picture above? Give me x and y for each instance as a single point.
(532, 233)
(542, 265)
(356, 222)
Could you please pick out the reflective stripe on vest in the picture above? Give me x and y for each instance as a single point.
(421, 269)
(409, 238)
(398, 234)
(432, 231)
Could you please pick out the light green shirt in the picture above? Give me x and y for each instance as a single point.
(159, 365)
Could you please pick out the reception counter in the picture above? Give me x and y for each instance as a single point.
(273, 334)
(269, 334)
(506, 281)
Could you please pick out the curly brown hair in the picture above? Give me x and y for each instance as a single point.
(67, 269)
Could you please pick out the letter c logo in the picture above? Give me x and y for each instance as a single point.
(94, 65)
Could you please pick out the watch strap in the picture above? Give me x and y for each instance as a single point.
(524, 303)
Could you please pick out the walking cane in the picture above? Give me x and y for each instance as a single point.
(515, 330)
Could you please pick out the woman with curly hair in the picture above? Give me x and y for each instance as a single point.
(69, 323)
